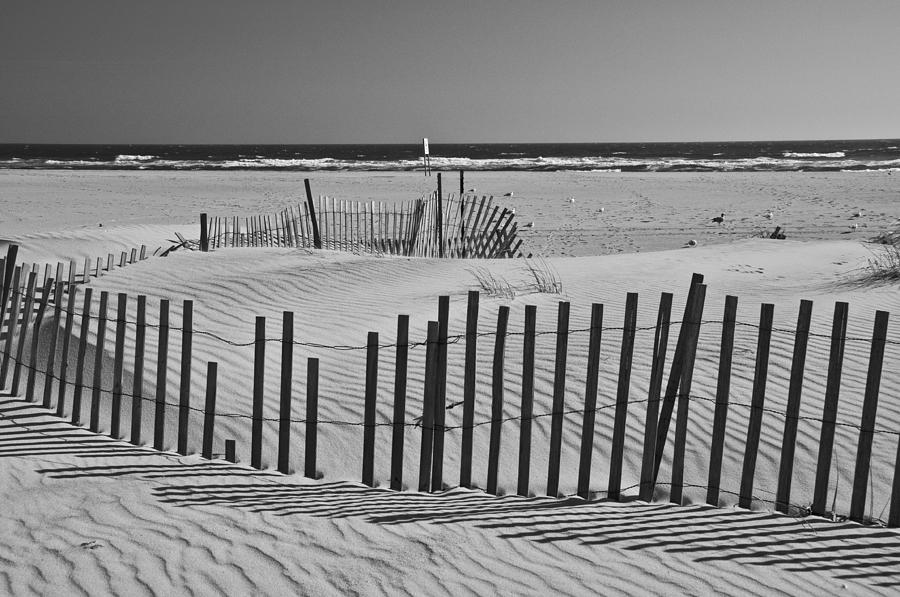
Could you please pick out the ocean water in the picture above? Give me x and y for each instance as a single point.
(765, 156)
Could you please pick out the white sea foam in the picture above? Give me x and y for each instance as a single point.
(134, 158)
(794, 154)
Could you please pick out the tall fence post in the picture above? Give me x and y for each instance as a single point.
(559, 393)
(527, 406)
(757, 402)
(431, 365)
(184, 396)
(617, 452)
(439, 222)
(468, 418)
(317, 240)
(98, 363)
(162, 355)
(81, 356)
(284, 411)
(118, 366)
(54, 337)
(23, 332)
(259, 372)
(209, 410)
(204, 234)
(137, 388)
(795, 388)
(723, 388)
(64, 358)
(15, 299)
(368, 461)
(590, 402)
(312, 417)
(35, 341)
(497, 400)
(657, 369)
(399, 418)
(440, 398)
(867, 423)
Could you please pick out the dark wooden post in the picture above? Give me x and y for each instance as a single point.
(137, 388)
(54, 337)
(657, 369)
(590, 401)
(461, 183)
(317, 240)
(497, 400)
(118, 366)
(98, 363)
(684, 393)
(527, 408)
(23, 332)
(204, 234)
(617, 451)
(162, 355)
(230, 455)
(12, 252)
(399, 402)
(829, 411)
(440, 399)
(209, 410)
(35, 341)
(439, 220)
(80, 357)
(284, 411)
(312, 416)
(559, 393)
(259, 372)
(64, 358)
(756, 405)
(184, 396)
(368, 460)
(783, 494)
(15, 299)
(431, 366)
(867, 424)
(723, 387)
(468, 418)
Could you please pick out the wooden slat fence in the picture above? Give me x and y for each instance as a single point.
(666, 400)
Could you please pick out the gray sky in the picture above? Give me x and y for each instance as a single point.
(370, 71)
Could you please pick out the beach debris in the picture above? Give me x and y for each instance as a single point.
(513, 211)
(472, 190)
(719, 219)
(691, 243)
(769, 215)
(778, 234)
(509, 194)
(602, 209)
(100, 224)
(854, 226)
(529, 225)
(181, 243)
(858, 214)
(570, 199)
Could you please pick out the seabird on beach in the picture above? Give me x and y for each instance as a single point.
(602, 209)
(570, 199)
(719, 219)
(769, 214)
(854, 226)
(857, 214)
(509, 194)
(692, 243)
(529, 225)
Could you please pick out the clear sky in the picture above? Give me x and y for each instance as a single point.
(372, 71)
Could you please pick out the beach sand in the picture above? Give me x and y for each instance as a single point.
(86, 514)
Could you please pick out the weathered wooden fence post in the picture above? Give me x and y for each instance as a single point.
(559, 393)
(162, 355)
(81, 356)
(118, 366)
(867, 423)
(657, 370)
(184, 396)
(209, 410)
(497, 400)
(527, 405)
(64, 358)
(468, 418)
(137, 388)
(317, 240)
(723, 388)
(94, 424)
(590, 401)
(431, 366)
(368, 460)
(440, 398)
(399, 419)
(284, 411)
(312, 416)
(204, 234)
(23, 332)
(757, 400)
(789, 437)
(617, 452)
(35, 341)
(15, 299)
(54, 337)
(259, 372)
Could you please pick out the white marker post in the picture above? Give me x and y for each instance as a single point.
(426, 159)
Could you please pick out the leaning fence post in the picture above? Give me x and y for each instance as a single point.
(81, 357)
(723, 387)
(259, 372)
(757, 400)
(35, 341)
(617, 452)
(312, 416)
(789, 437)
(54, 337)
(204, 234)
(657, 368)
(867, 424)
(64, 358)
(23, 332)
(399, 429)
(829, 411)
(184, 396)
(287, 373)
(98, 363)
(15, 299)
(527, 407)
(497, 400)
(137, 388)
(162, 355)
(468, 418)
(559, 393)
(118, 366)
(317, 240)
(425, 453)
(590, 402)
(368, 459)
(209, 410)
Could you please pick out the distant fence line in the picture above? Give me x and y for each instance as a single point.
(667, 403)
(432, 226)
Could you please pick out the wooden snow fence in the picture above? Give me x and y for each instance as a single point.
(669, 393)
(454, 226)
